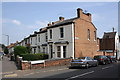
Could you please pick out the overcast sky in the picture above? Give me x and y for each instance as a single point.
(20, 19)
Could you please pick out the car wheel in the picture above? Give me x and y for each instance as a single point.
(104, 62)
(87, 65)
(96, 64)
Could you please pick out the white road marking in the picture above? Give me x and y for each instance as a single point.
(107, 67)
(10, 75)
(6, 73)
(28, 74)
(80, 75)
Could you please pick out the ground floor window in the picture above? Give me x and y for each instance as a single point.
(58, 51)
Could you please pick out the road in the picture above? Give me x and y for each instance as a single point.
(109, 71)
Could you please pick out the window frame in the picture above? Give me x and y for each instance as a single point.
(50, 32)
(61, 29)
(88, 34)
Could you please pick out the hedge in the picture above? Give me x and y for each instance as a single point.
(32, 57)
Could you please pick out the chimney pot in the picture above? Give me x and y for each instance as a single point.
(49, 24)
(53, 23)
(61, 18)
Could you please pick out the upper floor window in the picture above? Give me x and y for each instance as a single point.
(31, 40)
(94, 35)
(39, 38)
(50, 34)
(88, 34)
(46, 37)
(61, 32)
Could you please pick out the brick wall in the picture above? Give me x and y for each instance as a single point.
(56, 62)
(83, 46)
(25, 65)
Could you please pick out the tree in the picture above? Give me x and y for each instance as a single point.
(6, 50)
(18, 50)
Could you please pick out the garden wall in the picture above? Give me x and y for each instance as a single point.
(53, 62)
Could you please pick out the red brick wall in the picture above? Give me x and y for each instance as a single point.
(57, 62)
(83, 46)
(25, 65)
(48, 63)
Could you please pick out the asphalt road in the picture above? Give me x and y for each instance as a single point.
(110, 71)
(102, 72)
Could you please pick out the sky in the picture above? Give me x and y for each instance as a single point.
(20, 19)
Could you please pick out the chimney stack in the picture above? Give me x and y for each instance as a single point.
(53, 23)
(113, 29)
(79, 12)
(61, 18)
(49, 24)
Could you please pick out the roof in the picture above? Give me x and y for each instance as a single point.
(11, 45)
(109, 35)
(68, 21)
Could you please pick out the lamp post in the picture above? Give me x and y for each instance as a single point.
(7, 39)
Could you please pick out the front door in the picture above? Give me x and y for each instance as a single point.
(64, 51)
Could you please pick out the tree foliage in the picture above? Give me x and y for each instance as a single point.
(18, 50)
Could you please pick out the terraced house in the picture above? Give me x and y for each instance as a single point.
(75, 37)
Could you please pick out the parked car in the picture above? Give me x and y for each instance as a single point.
(112, 58)
(102, 59)
(84, 62)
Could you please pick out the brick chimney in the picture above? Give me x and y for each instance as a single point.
(61, 18)
(49, 24)
(82, 15)
(79, 12)
(53, 23)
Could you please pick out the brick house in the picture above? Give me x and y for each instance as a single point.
(74, 37)
(109, 43)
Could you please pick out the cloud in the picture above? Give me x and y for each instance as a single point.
(42, 23)
(16, 22)
(37, 25)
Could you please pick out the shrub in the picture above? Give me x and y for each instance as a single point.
(18, 50)
(32, 57)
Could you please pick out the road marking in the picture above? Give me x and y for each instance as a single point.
(3, 73)
(10, 75)
(80, 75)
(107, 67)
(28, 74)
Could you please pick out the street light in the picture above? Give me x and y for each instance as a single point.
(7, 39)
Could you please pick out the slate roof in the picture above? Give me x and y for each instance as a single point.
(68, 21)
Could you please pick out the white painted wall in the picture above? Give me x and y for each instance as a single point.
(68, 36)
(42, 41)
